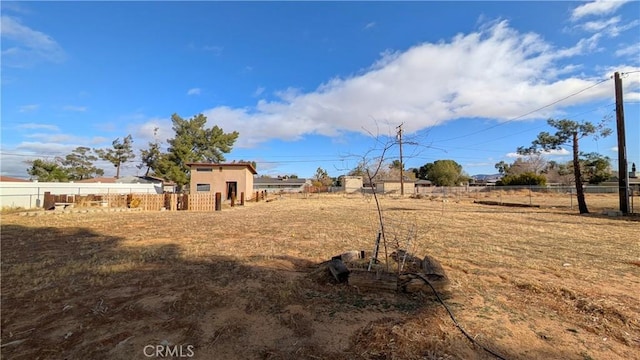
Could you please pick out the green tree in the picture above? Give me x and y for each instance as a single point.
(444, 173)
(559, 172)
(193, 142)
(47, 171)
(253, 163)
(321, 178)
(119, 153)
(359, 170)
(395, 165)
(568, 133)
(151, 155)
(79, 164)
(503, 167)
(597, 168)
(532, 163)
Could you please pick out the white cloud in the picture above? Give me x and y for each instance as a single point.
(98, 140)
(194, 91)
(550, 153)
(25, 46)
(34, 126)
(29, 108)
(610, 27)
(595, 8)
(629, 50)
(559, 152)
(495, 73)
(216, 50)
(144, 133)
(614, 149)
(370, 25)
(595, 26)
(74, 108)
(259, 91)
(45, 148)
(52, 138)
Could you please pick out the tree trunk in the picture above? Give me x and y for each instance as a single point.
(118, 171)
(582, 204)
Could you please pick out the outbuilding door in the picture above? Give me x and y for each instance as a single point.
(232, 189)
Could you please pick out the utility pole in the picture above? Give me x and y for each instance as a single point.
(623, 172)
(401, 164)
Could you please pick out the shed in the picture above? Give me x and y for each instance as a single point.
(351, 184)
(393, 186)
(227, 179)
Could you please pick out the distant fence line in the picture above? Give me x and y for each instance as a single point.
(153, 202)
(31, 194)
(588, 189)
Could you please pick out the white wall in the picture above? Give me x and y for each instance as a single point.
(31, 194)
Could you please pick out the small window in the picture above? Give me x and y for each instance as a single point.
(204, 169)
(203, 187)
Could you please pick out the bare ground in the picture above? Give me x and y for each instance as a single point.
(244, 283)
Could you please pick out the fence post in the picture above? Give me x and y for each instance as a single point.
(233, 198)
(257, 196)
(571, 197)
(218, 201)
(242, 198)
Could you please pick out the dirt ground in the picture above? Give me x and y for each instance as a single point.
(244, 283)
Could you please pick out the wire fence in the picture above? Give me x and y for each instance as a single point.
(598, 198)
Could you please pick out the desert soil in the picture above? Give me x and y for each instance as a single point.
(245, 283)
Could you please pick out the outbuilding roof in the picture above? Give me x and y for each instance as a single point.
(228, 165)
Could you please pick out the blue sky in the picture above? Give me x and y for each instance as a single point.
(306, 84)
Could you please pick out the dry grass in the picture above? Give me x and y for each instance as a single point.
(243, 283)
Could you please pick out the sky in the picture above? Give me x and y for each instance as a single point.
(317, 84)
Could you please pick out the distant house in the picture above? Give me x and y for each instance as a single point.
(421, 186)
(167, 186)
(227, 179)
(280, 184)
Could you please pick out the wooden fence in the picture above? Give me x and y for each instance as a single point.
(153, 202)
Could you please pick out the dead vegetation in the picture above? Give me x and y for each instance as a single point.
(244, 283)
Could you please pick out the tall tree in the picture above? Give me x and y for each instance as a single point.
(79, 164)
(597, 168)
(532, 163)
(253, 163)
(151, 155)
(193, 142)
(119, 153)
(321, 178)
(445, 173)
(359, 170)
(421, 173)
(47, 171)
(568, 133)
(503, 167)
(559, 172)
